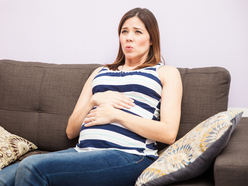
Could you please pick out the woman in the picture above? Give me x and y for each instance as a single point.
(124, 107)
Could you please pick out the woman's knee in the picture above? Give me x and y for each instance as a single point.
(28, 172)
(28, 162)
(28, 166)
(7, 175)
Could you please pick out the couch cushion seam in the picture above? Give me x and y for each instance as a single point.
(33, 111)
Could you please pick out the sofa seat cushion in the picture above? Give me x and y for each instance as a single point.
(231, 165)
(34, 152)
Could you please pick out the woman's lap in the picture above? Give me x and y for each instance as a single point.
(69, 167)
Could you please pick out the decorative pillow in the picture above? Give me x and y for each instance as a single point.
(194, 153)
(12, 147)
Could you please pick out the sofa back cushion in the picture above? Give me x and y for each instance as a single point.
(205, 93)
(37, 99)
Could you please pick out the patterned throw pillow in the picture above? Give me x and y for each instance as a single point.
(12, 147)
(191, 155)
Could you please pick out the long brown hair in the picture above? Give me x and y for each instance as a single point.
(150, 22)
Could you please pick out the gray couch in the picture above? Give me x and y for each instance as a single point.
(36, 100)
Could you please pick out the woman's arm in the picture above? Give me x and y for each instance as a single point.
(82, 108)
(87, 101)
(164, 130)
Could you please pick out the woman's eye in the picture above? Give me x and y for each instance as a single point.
(139, 32)
(123, 31)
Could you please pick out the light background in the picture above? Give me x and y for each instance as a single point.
(194, 33)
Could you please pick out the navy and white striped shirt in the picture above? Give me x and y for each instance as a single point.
(145, 88)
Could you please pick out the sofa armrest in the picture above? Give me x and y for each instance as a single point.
(231, 165)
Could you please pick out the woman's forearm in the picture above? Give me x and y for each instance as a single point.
(115, 99)
(76, 120)
(155, 130)
(163, 131)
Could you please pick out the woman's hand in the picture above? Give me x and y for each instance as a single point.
(116, 99)
(103, 114)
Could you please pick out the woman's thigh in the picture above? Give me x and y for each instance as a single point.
(106, 167)
(7, 175)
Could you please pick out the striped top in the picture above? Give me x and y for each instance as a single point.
(145, 88)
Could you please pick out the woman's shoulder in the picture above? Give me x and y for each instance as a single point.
(95, 72)
(98, 69)
(167, 69)
(168, 72)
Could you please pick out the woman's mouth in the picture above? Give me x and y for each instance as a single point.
(129, 48)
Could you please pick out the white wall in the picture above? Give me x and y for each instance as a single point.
(194, 33)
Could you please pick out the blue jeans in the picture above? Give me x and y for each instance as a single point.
(69, 167)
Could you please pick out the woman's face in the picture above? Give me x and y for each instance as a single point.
(135, 40)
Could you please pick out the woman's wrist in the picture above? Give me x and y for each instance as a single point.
(118, 115)
(92, 101)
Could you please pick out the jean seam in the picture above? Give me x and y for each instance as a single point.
(140, 160)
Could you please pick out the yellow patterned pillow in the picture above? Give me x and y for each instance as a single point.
(12, 147)
(191, 155)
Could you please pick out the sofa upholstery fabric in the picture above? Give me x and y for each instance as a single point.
(37, 99)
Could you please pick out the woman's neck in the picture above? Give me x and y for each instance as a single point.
(130, 65)
(126, 67)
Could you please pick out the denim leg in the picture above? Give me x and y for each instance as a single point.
(106, 167)
(7, 175)
(27, 174)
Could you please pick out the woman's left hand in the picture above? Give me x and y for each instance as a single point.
(103, 114)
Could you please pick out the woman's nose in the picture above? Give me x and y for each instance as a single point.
(130, 37)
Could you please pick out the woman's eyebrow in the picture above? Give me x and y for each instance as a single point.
(138, 28)
(135, 28)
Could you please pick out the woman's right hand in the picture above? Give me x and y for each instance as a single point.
(116, 99)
